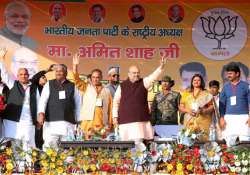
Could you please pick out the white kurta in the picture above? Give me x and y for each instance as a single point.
(136, 130)
(235, 126)
(24, 129)
(53, 131)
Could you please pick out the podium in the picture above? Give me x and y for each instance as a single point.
(98, 144)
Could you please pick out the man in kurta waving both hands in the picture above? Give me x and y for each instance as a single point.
(130, 106)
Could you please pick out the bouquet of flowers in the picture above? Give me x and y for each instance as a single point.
(210, 156)
(16, 159)
(184, 160)
(99, 160)
(139, 155)
(98, 133)
(188, 136)
(235, 160)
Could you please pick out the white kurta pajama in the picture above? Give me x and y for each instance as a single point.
(135, 130)
(235, 107)
(24, 129)
(236, 126)
(57, 130)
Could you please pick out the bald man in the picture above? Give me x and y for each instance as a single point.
(20, 115)
(57, 11)
(130, 106)
(17, 19)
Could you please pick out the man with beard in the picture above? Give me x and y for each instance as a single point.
(130, 107)
(24, 58)
(234, 106)
(114, 77)
(17, 19)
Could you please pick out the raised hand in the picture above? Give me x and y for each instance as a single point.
(51, 68)
(163, 61)
(3, 52)
(76, 59)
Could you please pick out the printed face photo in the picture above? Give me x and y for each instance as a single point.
(17, 19)
(176, 13)
(57, 11)
(136, 13)
(97, 13)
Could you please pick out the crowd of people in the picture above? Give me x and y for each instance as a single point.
(41, 112)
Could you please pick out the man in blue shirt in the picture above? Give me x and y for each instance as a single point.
(234, 106)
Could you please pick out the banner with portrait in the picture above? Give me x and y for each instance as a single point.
(198, 36)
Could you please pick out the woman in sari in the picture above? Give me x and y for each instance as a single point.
(197, 105)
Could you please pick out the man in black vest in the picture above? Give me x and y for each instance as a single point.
(58, 108)
(20, 115)
(130, 106)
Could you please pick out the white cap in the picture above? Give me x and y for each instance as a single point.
(113, 71)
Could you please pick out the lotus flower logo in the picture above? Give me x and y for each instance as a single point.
(220, 28)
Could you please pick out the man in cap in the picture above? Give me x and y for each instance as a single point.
(165, 107)
(114, 77)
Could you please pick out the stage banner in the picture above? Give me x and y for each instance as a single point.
(196, 36)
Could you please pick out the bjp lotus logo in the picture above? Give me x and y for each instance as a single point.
(219, 29)
(219, 33)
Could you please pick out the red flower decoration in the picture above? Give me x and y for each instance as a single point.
(153, 153)
(223, 169)
(180, 158)
(225, 159)
(196, 152)
(231, 156)
(225, 153)
(180, 146)
(224, 146)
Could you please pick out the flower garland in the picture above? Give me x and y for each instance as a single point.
(172, 159)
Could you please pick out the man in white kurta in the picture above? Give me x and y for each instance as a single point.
(130, 107)
(58, 121)
(19, 121)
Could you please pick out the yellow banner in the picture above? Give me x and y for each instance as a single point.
(196, 36)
